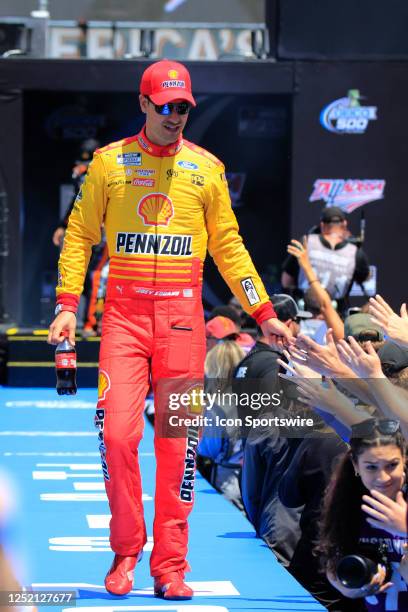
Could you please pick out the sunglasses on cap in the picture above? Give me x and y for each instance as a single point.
(386, 427)
(181, 108)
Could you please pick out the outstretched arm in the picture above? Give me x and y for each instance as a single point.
(391, 400)
(394, 326)
(325, 359)
(226, 247)
(331, 316)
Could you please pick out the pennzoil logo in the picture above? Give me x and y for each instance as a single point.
(176, 245)
(104, 385)
(173, 83)
(187, 482)
(155, 209)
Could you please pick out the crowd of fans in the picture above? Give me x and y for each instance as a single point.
(329, 500)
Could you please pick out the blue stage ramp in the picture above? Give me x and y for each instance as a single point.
(58, 532)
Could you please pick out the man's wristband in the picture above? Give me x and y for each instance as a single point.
(64, 308)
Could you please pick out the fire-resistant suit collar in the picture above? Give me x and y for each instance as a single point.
(157, 150)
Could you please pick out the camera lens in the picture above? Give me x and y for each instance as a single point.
(354, 571)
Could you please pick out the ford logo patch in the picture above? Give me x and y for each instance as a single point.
(187, 165)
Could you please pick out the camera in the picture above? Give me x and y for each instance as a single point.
(354, 571)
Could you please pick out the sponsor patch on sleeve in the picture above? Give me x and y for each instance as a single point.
(250, 291)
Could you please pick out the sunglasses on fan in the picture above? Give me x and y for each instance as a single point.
(181, 108)
(386, 427)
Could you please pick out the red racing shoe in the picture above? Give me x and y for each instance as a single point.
(172, 586)
(119, 579)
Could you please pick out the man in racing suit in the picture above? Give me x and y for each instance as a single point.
(163, 201)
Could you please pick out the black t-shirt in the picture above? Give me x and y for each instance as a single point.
(266, 455)
(308, 475)
(261, 366)
(257, 372)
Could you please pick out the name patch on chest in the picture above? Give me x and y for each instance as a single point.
(129, 159)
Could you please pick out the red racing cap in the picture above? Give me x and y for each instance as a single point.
(221, 327)
(165, 81)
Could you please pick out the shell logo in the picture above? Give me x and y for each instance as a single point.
(173, 74)
(195, 406)
(155, 209)
(104, 384)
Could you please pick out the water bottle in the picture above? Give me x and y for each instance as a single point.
(65, 367)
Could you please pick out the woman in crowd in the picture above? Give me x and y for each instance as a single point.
(366, 503)
(221, 446)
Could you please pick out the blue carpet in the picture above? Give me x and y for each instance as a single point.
(57, 532)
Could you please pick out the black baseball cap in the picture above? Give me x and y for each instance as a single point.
(393, 358)
(286, 308)
(332, 214)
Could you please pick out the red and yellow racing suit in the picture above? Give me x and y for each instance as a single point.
(161, 207)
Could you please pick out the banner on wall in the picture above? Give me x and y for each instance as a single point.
(363, 172)
(347, 194)
(184, 29)
(348, 115)
(174, 43)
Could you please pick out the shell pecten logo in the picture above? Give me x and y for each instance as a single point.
(173, 74)
(103, 384)
(195, 406)
(155, 209)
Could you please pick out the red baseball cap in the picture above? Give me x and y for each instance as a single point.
(165, 81)
(220, 327)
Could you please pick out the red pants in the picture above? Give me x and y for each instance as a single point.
(163, 337)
